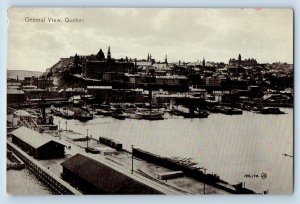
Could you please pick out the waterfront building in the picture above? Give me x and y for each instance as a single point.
(39, 82)
(95, 177)
(22, 115)
(38, 145)
(127, 96)
(102, 93)
(15, 96)
(41, 94)
(14, 85)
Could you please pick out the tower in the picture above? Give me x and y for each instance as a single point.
(203, 63)
(108, 54)
(148, 58)
(100, 55)
(166, 59)
(240, 58)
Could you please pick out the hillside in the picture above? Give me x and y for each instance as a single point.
(22, 73)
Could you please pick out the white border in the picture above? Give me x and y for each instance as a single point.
(4, 4)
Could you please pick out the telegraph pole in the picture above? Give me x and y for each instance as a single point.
(131, 159)
(66, 125)
(59, 129)
(12, 120)
(87, 138)
(204, 180)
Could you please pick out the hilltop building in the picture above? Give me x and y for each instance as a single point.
(243, 63)
(98, 69)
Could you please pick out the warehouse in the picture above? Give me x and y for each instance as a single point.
(97, 178)
(38, 145)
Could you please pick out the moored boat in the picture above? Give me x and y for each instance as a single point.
(150, 115)
(271, 110)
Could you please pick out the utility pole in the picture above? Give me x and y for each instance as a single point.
(12, 120)
(204, 180)
(87, 138)
(131, 159)
(59, 129)
(66, 125)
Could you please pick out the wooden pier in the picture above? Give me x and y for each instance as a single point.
(55, 183)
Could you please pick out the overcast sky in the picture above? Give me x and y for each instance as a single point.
(182, 34)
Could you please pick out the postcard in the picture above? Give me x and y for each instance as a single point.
(168, 101)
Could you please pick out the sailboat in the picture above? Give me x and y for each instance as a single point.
(150, 114)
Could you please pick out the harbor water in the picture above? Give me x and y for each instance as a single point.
(239, 148)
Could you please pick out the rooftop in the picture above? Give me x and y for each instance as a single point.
(104, 177)
(14, 91)
(99, 87)
(31, 137)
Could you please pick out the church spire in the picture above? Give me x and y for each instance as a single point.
(108, 54)
(166, 59)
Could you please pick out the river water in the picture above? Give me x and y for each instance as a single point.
(24, 182)
(239, 148)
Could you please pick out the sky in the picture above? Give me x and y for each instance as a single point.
(183, 34)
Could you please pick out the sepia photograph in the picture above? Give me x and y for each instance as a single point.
(141, 101)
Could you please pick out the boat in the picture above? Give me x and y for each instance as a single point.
(105, 112)
(119, 116)
(82, 115)
(189, 112)
(64, 112)
(146, 111)
(149, 115)
(67, 113)
(271, 110)
(229, 111)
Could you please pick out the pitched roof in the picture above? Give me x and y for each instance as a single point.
(14, 91)
(104, 177)
(31, 137)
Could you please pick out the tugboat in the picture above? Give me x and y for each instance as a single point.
(271, 110)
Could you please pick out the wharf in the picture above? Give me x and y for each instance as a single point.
(143, 171)
(53, 181)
